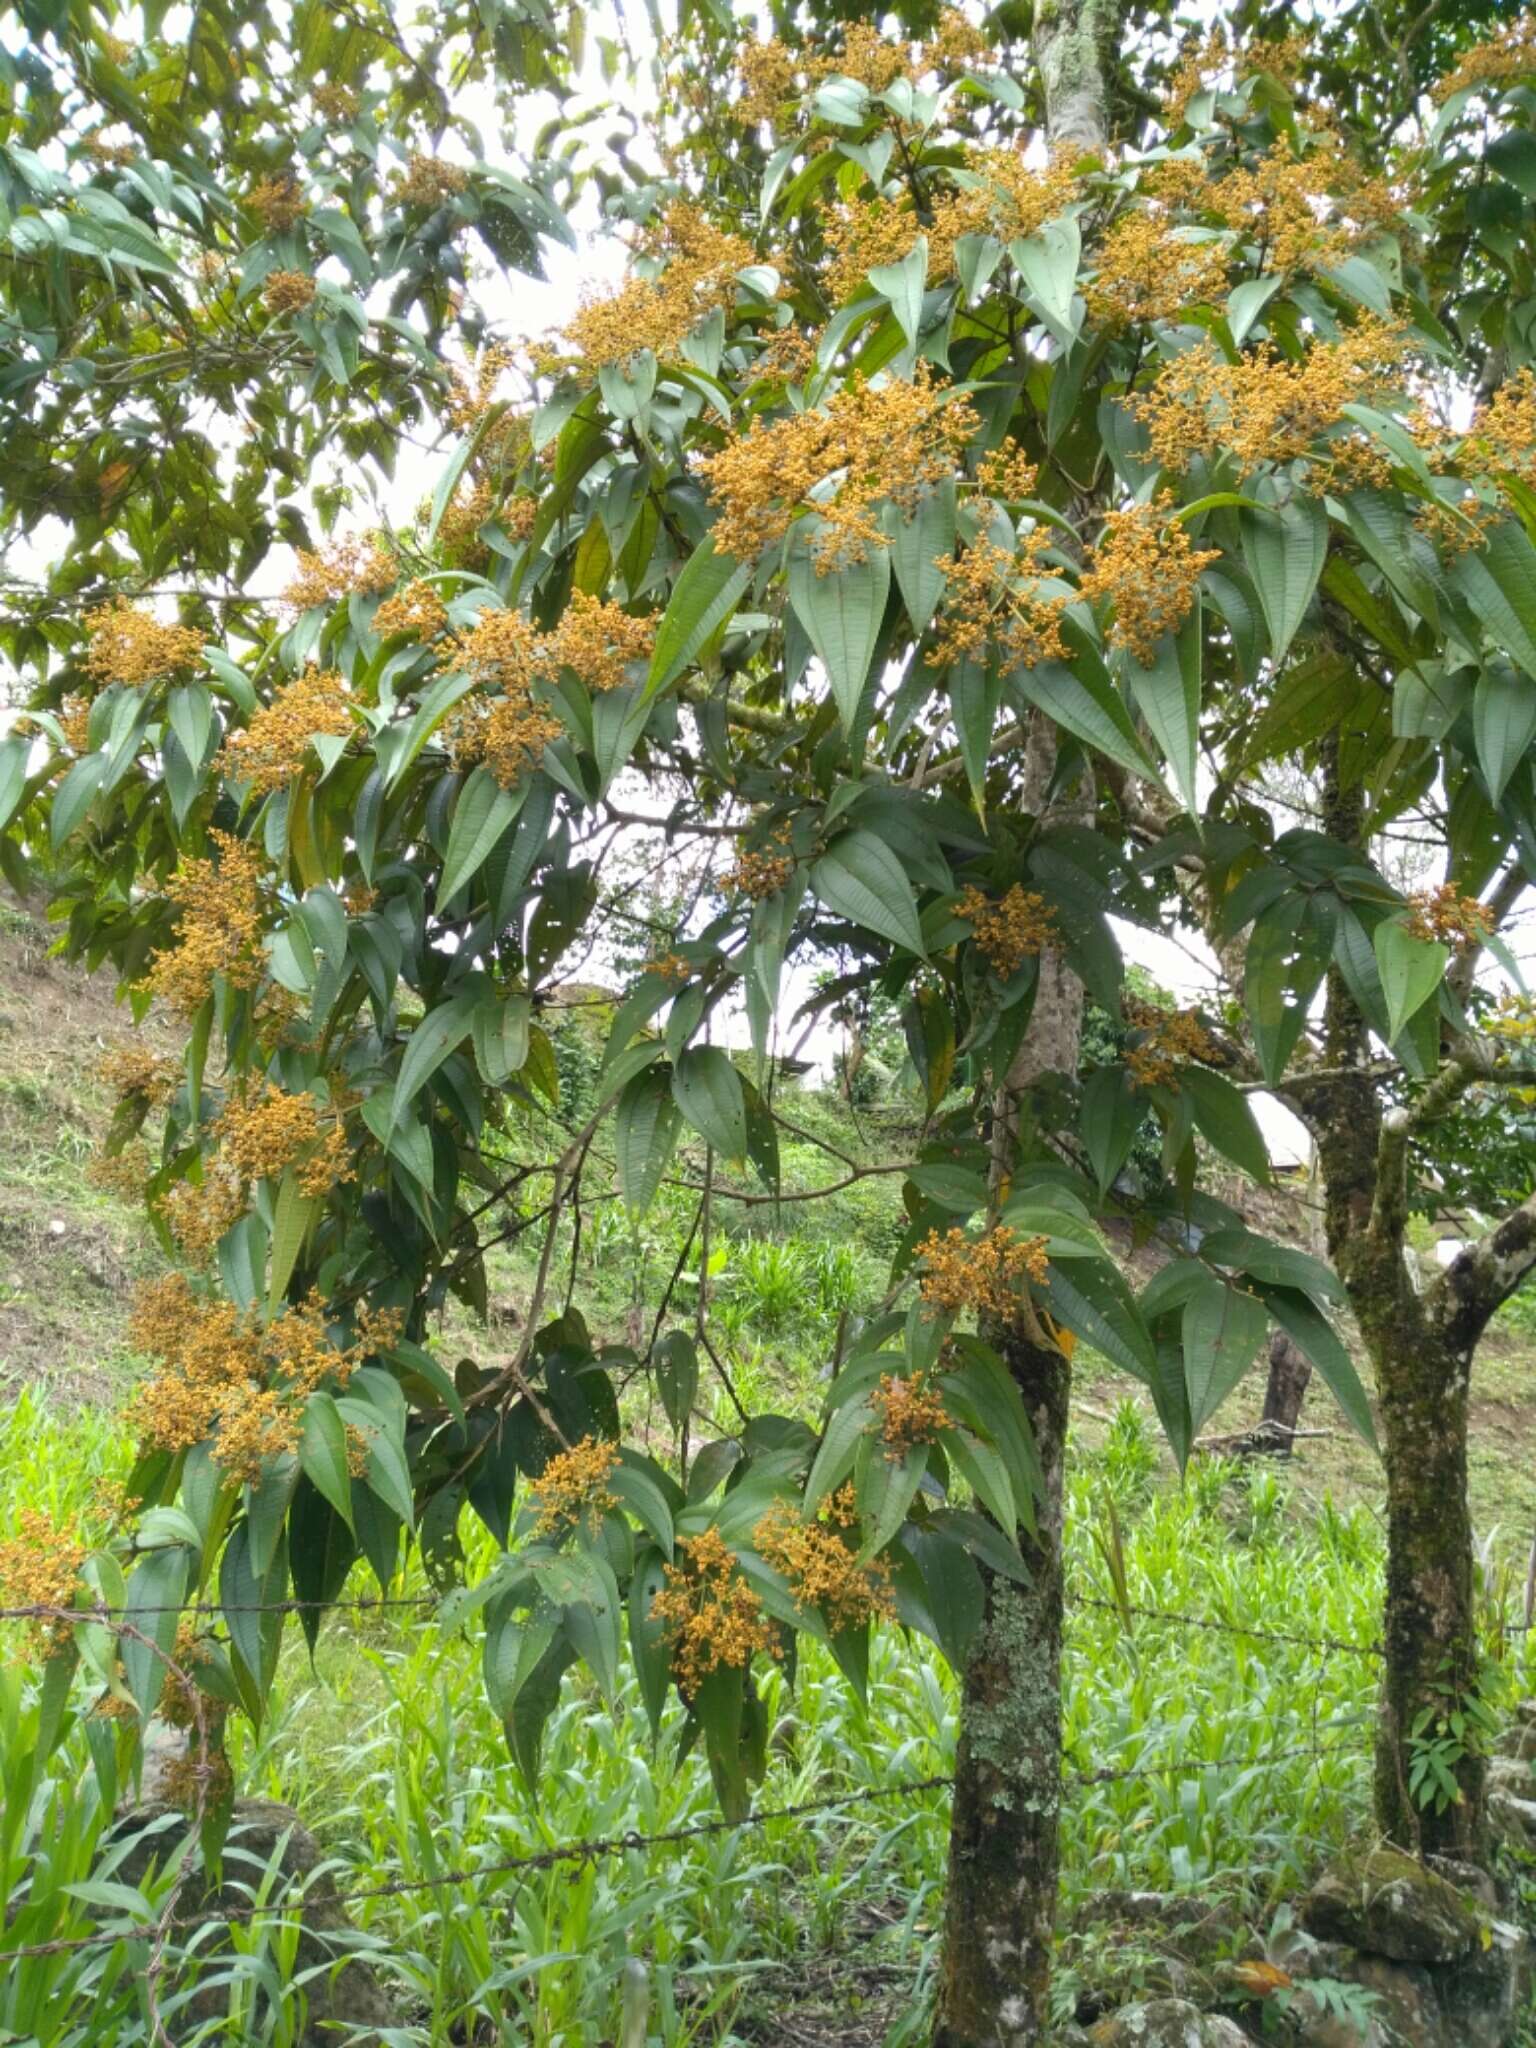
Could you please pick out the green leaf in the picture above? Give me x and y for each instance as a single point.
(707, 1089)
(860, 878)
(1503, 724)
(14, 755)
(1047, 263)
(1223, 1117)
(500, 1027)
(847, 1426)
(1285, 549)
(676, 1363)
(902, 284)
(1114, 1110)
(1168, 697)
(1222, 1331)
(1247, 301)
(918, 546)
(156, 1588)
(323, 1453)
(1499, 582)
(483, 812)
(645, 1128)
(842, 611)
(1314, 1336)
(1513, 156)
(648, 1637)
(1411, 971)
(74, 796)
(437, 1034)
(703, 598)
(292, 1216)
(1086, 706)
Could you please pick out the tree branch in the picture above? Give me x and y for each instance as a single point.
(1479, 1280)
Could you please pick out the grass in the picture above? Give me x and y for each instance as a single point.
(1217, 1766)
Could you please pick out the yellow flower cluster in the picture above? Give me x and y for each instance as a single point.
(772, 75)
(134, 1071)
(911, 1413)
(219, 925)
(271, 749)
(1444, 914)
(111, 155)
(343, 568)
(1010, 931)
(130, 646)
(1002, 194)
(888, 443)
(758, 875)
(417, 610)
(469, 401)
(821, 1565)
(123, 1173)
(1502, 436)
(713, 1619)
(428, 181)
(660, 313)
(1007, 473)
(1508, 54)
(277, 202)
(225, 1377)
(39, 1567)
(993, 602)
(1144, 568)
(509, 734)
(1264, 408)
(458, 531)
(670, 967)
(1148, 269)
(1163, 1038)
(573, 1487)
(598, 640)
(74, 716)
(287, 291)
(983, 1273)
(261, 1135)
(1282, 57)
(768, 82)
(338, 103)
(199, 1213)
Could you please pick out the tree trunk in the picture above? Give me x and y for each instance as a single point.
(1430, 1626)
(1000, 1913)
(1290, 1370)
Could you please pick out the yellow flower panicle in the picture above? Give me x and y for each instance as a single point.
(670, 966)
(1145, 569)
(657, 314)
(270, 751)
(911, 1412)
(40, 1567)
(1508, 54)
(1263, 408)
(135, 1072)
(337, 102)
(351, 567)
(598, 640)
(1147, 269)
(1502, 437)
(985, 1273)
(124, 1173)
(891, 443)
(1445, 915)
(470, 399)
(713, 1619)
(417, 610)
(821, 1564)
(199, 1213)
(224, 1378)
(278, 202)
(759, 875)
(429, 181)
(1014, 929)
(509, 735)
(573, 1487)
(994, 602)
(1164, 1039)
(131, 646)
(261, 1135)
(219, 926)
(288, 291)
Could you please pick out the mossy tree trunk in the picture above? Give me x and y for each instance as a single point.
(1421, 1349)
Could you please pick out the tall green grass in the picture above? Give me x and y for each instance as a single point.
(1244, 1761)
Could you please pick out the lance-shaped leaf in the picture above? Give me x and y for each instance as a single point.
(483, 812)
(1223, 1328)
(1411, 970)
(707, 1089)
(703, 598)
(1285, 548)
(645, 1127)
(841, 611)
(860, 879)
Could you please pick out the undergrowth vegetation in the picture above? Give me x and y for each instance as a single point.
(1198, 1760)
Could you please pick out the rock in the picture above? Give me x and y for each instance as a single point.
(1467, 2004)
(1512, 1804)
(1517, 1742)
(1166, 2023)
(1384, 1902)
(343, 1995)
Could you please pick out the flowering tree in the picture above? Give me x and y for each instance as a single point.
(954, 506)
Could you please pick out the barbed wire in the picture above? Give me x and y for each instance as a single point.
(104, 1612)
(601, 1847)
